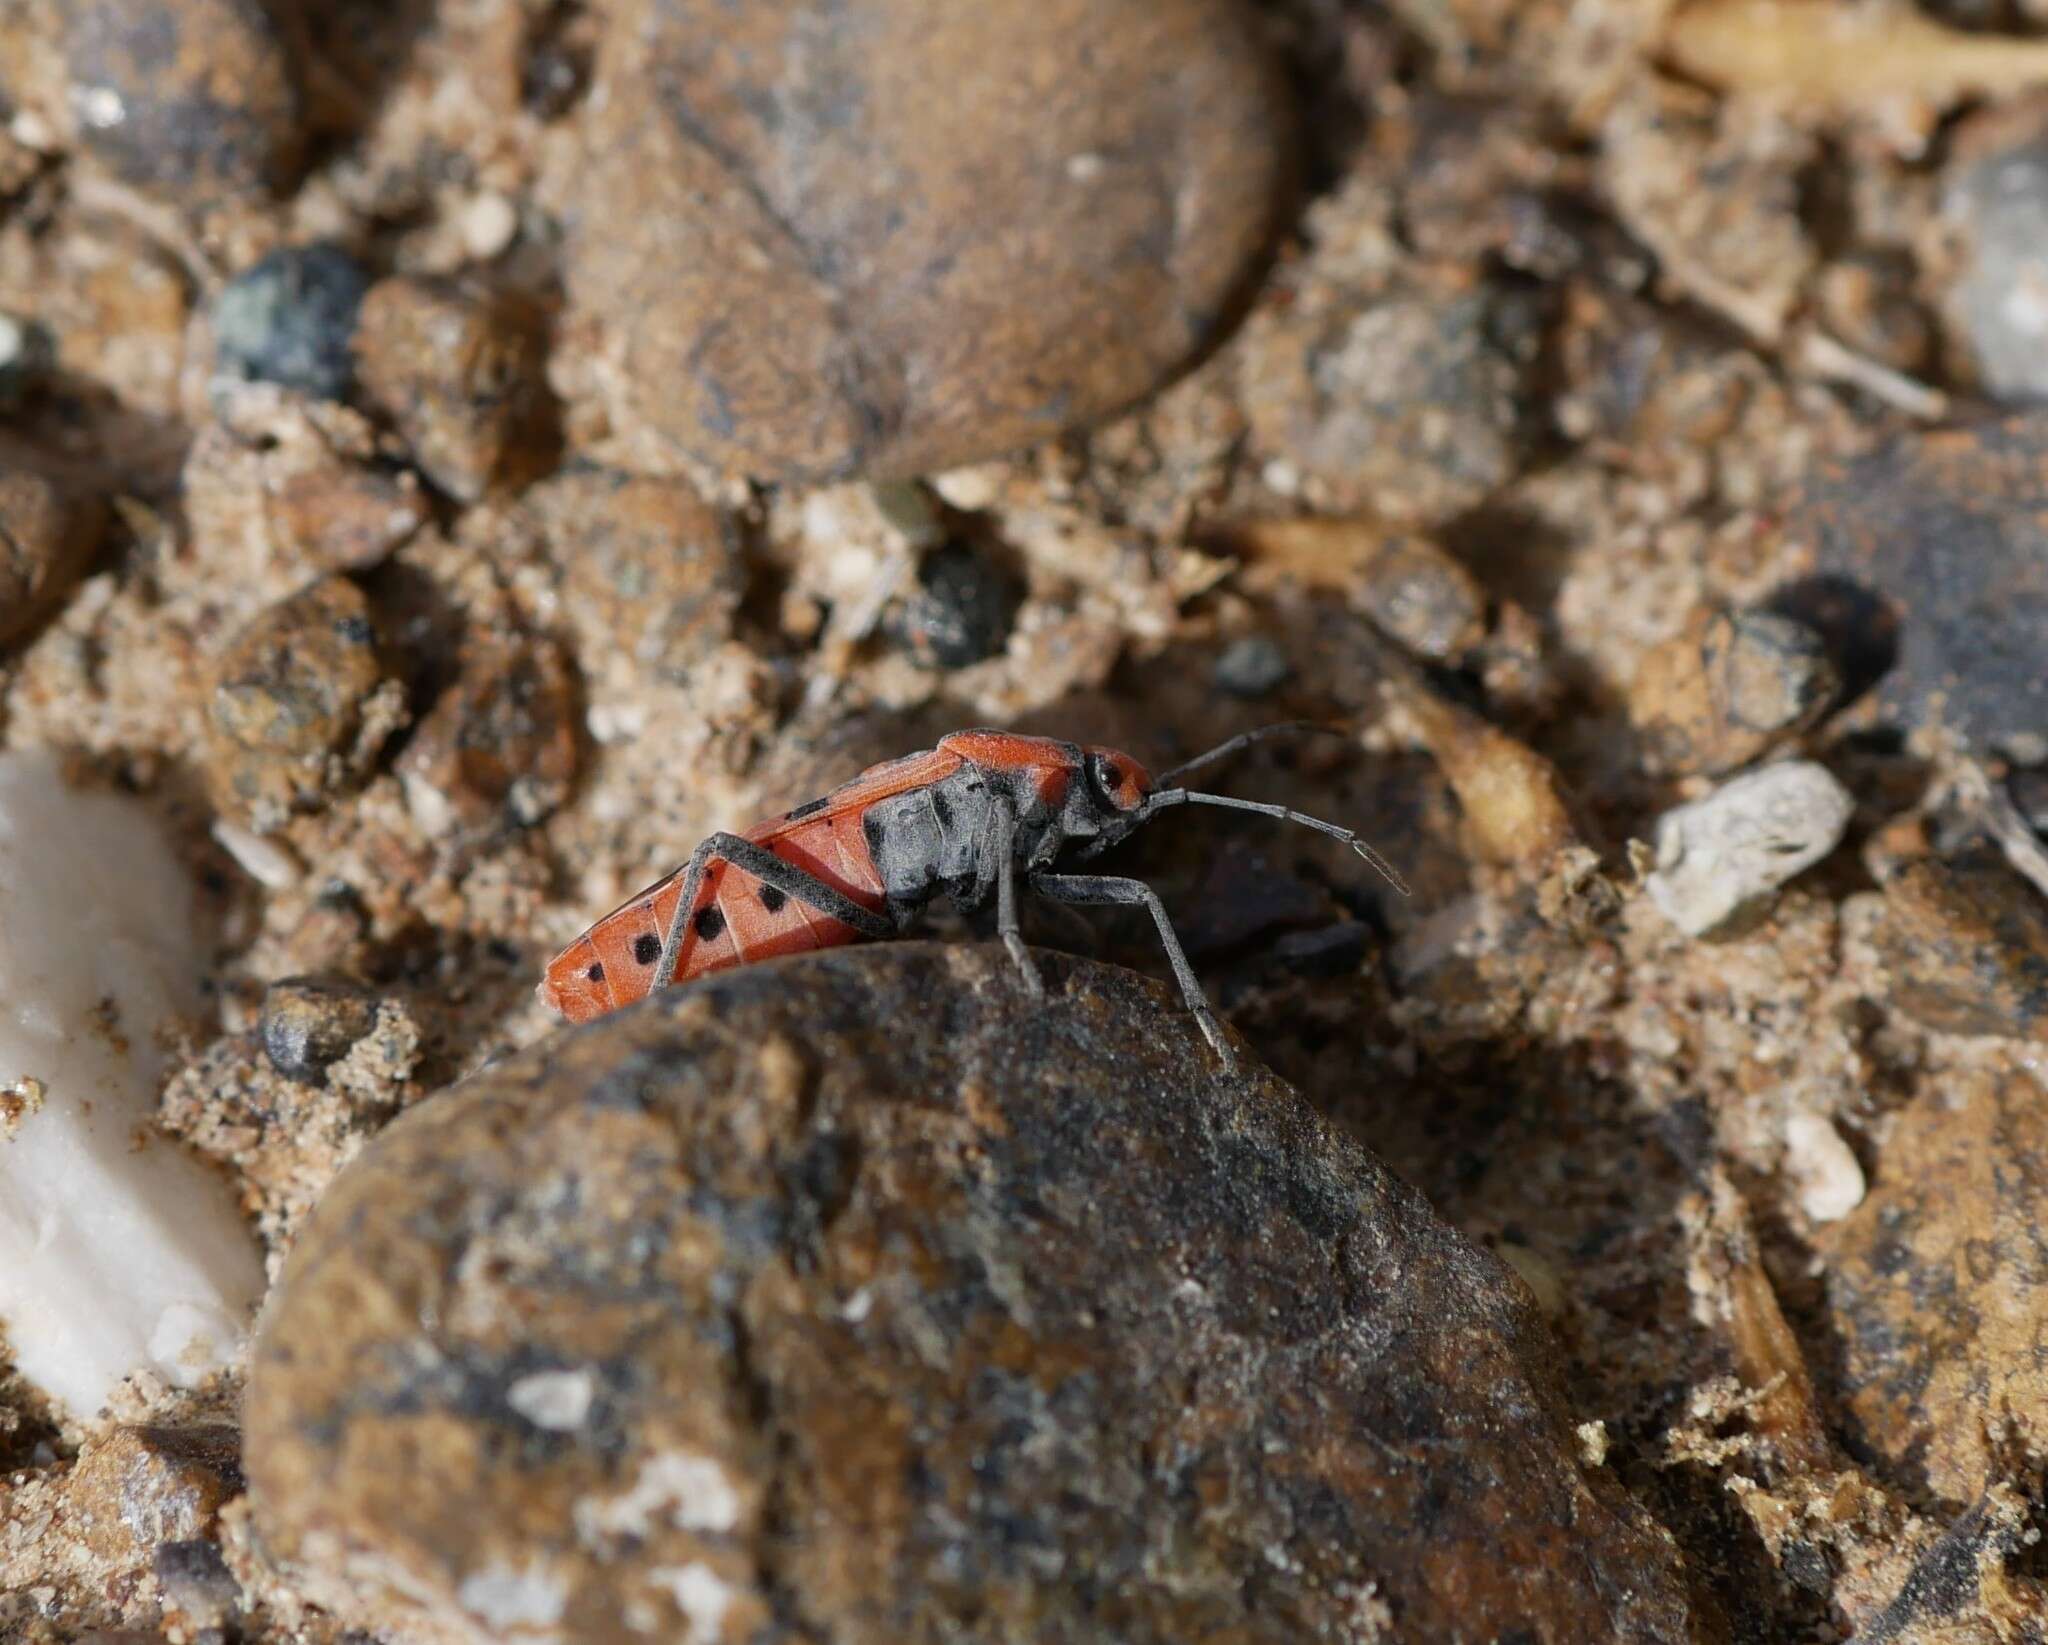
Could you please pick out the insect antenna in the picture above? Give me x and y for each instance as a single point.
(1244, 739)
(1164, 797)
(1168, 793)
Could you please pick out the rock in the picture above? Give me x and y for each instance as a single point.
(1411, 588)
(342, 516)
(1408, 404)
(196, 1582)
(458, 369)
(1250, 667)
(649, 579)
(1937, 1286)
(143, 1486)
(46, 538)
(1948, 532)
(961, 611)
(291, 319)
(862, 1297)
(890, 238)
(499, 747)
(1724, 854)
(1966, 943)
(121, 1258)
(197, 99)
(1995, 199)
(1515, 810)
(1728, 687)
(300, 705)
(310, 1022)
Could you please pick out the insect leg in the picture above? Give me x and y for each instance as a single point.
(1100, 889)
(769, 869)
(1001, 845)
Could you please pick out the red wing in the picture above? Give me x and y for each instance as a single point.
(878, 782)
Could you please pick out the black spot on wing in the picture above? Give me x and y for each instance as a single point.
(710, 921)
(772, 899)
(810, 810)
(596, 971)
(646, 948)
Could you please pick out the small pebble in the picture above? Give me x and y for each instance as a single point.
(877, 258)
(808, 1289)
(1966, 943)
(1727, 852)
(196, 1582)
(310, 1022)
(961, 611)
(1409, 406)
(1995, 197)
(141, 1486)
(458, 369)
(1410, 586)
(344, 517)
(300, 705)
(499, 747)
(46, 538)
(195, 99)
(1727, 688)
(1830, 1180)
(650, 578)
(1250, 667)
(291, 319)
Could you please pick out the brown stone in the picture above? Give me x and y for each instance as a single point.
(1728, 687)
(458, 369)
(649, 577)
(1405, 404)
(1966, 943)
(45, 538)
(867, 1290)
(345, 517)
(145, 1485)
(300, 704)
(890, 237)
(499, 747)
(195, 98)
(1937, 1287)
(1410, 586)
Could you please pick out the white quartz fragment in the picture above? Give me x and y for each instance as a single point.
(1744, 840)
(119, 1251)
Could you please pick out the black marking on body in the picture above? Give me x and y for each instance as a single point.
(772, 899)
(810, 810)
(710, 921)
(596, 971)
(646, 948)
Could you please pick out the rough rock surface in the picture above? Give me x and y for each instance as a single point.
(890, 237)
(1951, 529)
(1937, 1284)
(197, 98)
(761, 1313)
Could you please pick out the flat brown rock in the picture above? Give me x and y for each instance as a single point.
(860, 1298)
(890, 237)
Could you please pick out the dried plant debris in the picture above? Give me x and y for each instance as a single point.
(455, 456)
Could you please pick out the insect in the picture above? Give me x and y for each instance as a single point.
(965, 820)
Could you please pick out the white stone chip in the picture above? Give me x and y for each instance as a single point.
(119, 1251)
(1744, 840)
(1831, 1182)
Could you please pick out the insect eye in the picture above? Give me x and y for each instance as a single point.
(1108, 781)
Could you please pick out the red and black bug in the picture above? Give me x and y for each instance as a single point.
(964, 820)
